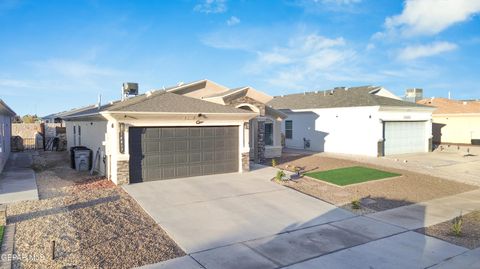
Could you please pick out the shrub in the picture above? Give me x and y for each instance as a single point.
(355, 204)
(457, 224)
(280, 175)
(274, 162)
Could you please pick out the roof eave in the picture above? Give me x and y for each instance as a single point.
(12, 113)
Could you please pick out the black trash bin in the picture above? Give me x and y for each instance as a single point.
(72, 156)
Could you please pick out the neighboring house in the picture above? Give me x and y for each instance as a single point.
(6, 115)
(58, 117)
(366, 120)
(456, 122)
(172, 133)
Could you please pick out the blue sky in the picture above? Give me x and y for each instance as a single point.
(56, 55)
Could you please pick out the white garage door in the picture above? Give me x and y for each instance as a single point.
(405, 137)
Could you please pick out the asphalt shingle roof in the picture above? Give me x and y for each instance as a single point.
(161, 101)
(447, 106)
(351, 97)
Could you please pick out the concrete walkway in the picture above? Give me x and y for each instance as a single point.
(17, 181)
(380, 240)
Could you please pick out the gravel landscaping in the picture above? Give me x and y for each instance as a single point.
(94, 223)
(470, 236)
(377, 195)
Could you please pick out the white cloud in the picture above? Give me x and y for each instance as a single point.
(302, 60)
(421, 51)
(429, 17)
(211, 6)
(233, 21)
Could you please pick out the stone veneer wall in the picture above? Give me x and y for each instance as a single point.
(245, 162)
(260, 147)
(248, 100)
(123, 172)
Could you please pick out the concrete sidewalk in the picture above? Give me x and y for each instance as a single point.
(17, 181)
(431, 212)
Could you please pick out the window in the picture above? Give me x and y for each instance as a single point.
(288, 129)
(269, 134)
(79, 135)
(74, 135)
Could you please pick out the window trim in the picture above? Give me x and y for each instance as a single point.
(289, 129)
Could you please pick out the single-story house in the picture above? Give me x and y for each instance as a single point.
(6, 115)
(191, 129)
(454, 121)
(367, 120)
(59, 117)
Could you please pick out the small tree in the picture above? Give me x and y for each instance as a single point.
(30, 118)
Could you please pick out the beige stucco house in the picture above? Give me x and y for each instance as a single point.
(6, 115)
(455, 122)
(192, 129)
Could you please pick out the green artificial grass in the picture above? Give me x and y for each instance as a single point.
(350, 175)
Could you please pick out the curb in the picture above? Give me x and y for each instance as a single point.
(6, 250)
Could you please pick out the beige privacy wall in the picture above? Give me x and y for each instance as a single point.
(456, 129)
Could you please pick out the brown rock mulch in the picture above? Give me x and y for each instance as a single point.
(377, 195)
(470, 236)
(94, 223)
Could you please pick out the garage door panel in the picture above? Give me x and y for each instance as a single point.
(208, 156)
(152, 133)
(166, 132)
(208, 144)
(195, 170)
(167, 146)
(195, 157)
(195, 144)
(172, 152)
(405, 137)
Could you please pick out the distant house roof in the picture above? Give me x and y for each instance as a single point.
(448, 106)
(67, 113)
(5, 109)
(162, 102)
(339, 97)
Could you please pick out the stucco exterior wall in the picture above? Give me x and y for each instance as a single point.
(5, 135)
(458, 129)
(92, 136)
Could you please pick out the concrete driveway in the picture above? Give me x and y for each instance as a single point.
(452, 163)
(208, 212)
